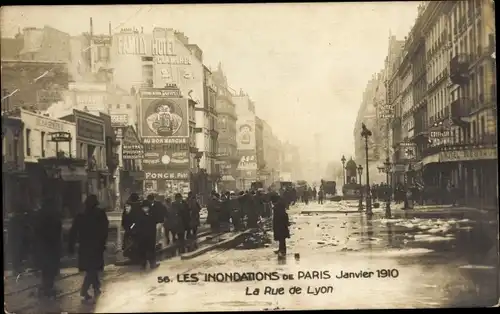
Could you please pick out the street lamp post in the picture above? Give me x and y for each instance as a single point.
(365, 133)
(360, 172)
(387, 169)
(343, 169)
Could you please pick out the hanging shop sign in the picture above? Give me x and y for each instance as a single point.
(469, 154)
(60, 137)
(386, 112)
(119, 120)
(409, 150)
(132, 151)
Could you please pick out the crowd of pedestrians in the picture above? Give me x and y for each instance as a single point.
(39, 233)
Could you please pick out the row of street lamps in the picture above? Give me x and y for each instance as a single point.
(386, 168)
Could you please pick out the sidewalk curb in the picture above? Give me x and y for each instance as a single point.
(175, 246)
(225, 243)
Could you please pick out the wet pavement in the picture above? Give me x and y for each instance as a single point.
(405, 262)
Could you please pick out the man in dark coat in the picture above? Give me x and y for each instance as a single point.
(321, 195)
(48, 238)
(146, 232)
(170, 222)
(131, 213)
(90, 230)
(314, 193)
(194, 215)
(182, 210)
(213, 209)
(306, 195)
(235, 211)
(280, 224)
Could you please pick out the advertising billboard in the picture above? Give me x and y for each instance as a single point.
(162, 116)
(245, 128)
(248, 160)
(166, 159)
(175, 64)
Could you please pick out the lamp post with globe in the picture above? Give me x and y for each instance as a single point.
(360, 172)
(366, 133)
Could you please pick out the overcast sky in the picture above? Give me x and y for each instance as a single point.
(305, 65)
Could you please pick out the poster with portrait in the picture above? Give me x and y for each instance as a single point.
(164, 117)
(245, 128)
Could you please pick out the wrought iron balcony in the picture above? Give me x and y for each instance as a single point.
(461, 109)
(459, 69)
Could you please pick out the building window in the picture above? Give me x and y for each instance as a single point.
(110, 106)
(81, 153)
(129, 106)
(117, 106)
(28, 142)
(42, 143)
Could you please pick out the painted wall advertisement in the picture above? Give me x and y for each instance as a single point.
(248, 161)
(245, 128)
(166, 159)
(131, 147)
(174, 63)
(162, 116)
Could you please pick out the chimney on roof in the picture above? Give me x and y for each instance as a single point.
(109, 28)
(91, 27)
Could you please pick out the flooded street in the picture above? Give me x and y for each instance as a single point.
(392, 263)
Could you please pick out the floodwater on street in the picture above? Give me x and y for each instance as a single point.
(406, 263)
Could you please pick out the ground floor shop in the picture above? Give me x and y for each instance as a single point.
(130, 182)
(473, 175)
(64, 181)
(14, 187)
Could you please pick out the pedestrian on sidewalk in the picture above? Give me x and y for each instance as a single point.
(225, 213)
(170, 222)
(194, 215)
(131, 212)
(280, 224)
(90, 230)
(236, 212)
(182, 227)
(146, 234)
(320, 196)
(213, 209)
(48, 238)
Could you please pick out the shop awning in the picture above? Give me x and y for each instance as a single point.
(430, 159)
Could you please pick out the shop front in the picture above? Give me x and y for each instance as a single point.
(14, 176)
(472, 171)
(247, 169)
(130, 178)
(91, 147)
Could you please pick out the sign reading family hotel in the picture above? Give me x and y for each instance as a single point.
(130, 43)
(471, 154)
